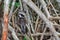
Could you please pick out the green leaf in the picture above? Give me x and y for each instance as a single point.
(24, 38)
(17, 4)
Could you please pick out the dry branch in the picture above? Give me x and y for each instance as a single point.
(5, 28)
(45, 8)
(12, 8)
(38, 11)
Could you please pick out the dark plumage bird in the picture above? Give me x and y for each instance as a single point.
(22, 22)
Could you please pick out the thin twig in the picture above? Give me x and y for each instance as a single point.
(38, 11)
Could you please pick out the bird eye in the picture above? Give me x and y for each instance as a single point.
(21, 16)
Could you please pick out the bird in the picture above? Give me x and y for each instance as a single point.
(22, 22)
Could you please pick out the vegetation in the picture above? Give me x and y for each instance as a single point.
(29, 20)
